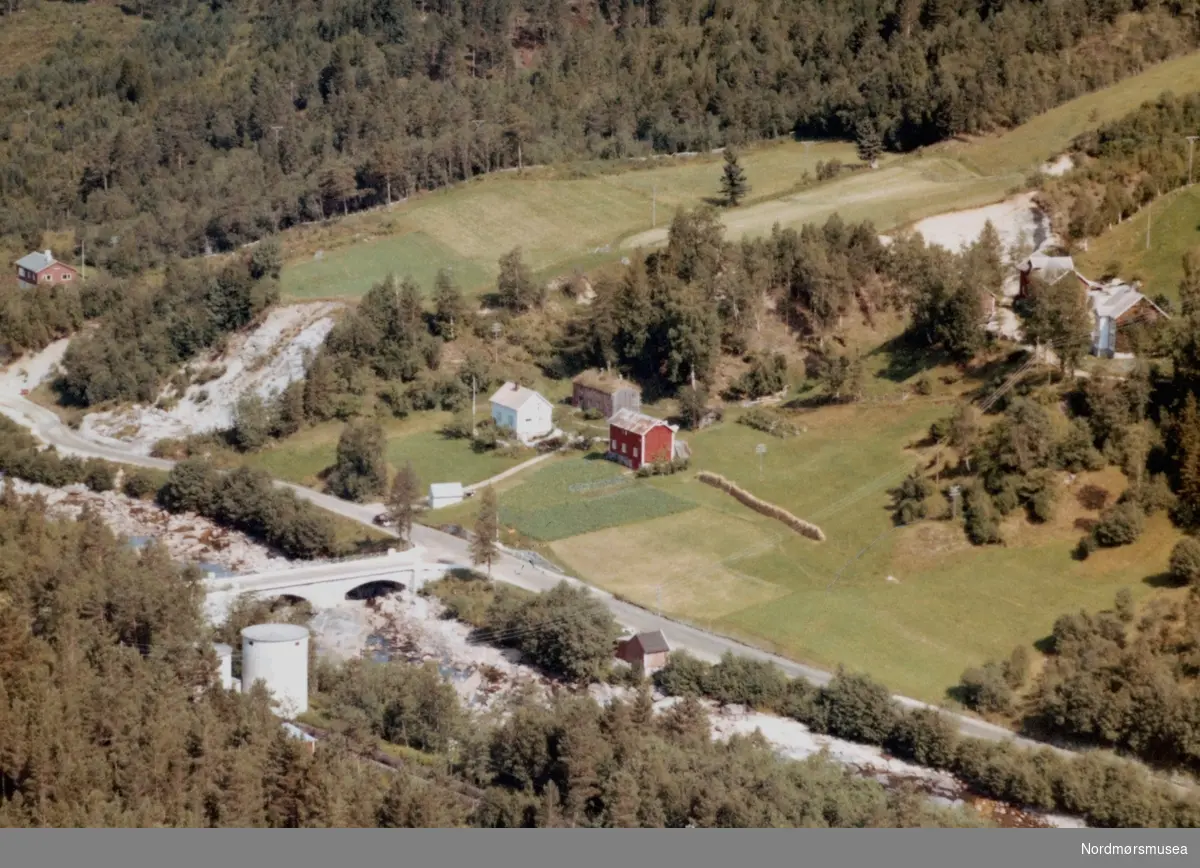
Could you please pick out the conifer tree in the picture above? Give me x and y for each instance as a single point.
(450, 308)
(734, 186)
(868, 142)
(487, 528)
(406, 489)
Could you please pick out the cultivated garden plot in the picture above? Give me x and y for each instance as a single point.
(579, 496)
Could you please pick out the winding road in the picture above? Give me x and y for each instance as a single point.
(48, 428)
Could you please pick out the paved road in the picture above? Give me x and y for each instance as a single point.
(510, 569)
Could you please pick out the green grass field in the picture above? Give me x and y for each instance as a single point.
(556, 216)
(582, 495)
(418, 439)
(1174, 230)
(583, 216)
(913, 606)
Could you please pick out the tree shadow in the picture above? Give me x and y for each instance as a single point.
(715, 201)
(905, 359)
(808, 402)
(958, 695)
(1162, 580)
(1046, 645)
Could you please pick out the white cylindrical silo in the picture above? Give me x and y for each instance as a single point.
(277, 655)
(224, 664)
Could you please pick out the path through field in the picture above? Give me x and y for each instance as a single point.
(891, 196)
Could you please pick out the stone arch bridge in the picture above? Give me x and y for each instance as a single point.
(327, 584)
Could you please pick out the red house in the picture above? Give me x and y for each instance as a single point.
(635, 439)
(42, 269)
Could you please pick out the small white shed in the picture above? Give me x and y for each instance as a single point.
(445, 494)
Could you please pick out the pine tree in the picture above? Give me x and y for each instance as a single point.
(406, 488)
(515, 285)
(869, 144)
(450, 310)
(487, 528)
(733, 179)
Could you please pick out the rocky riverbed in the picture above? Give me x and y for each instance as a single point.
(409, 628)
(188, 537)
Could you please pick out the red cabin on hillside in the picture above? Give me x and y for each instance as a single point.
(42, 269)
(635, 439)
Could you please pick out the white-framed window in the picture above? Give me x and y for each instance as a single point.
(48, 278)
(635, 455)
(622, 448)
(67, 276)
(614, 446)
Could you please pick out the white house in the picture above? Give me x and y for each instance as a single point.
(523, 411)
(445, 494)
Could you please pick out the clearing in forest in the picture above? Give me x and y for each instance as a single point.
(947, 604)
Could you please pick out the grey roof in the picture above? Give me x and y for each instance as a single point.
(604, 382)
(635, 422)
(1115, 299)
(653, 642)
(36, 261)
(275, 633)
(296, 732)
(514, 397)
(1050, 269)
(446, 489)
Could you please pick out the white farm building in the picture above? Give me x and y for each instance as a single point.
(523, 411)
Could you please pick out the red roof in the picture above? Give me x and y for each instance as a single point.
(635, 422)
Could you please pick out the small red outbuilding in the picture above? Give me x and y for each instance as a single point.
(635, 439)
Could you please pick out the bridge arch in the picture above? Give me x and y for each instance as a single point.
(374, 589)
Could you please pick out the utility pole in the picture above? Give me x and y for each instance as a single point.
(472, 405)
(1191, 153)
(1149, 206)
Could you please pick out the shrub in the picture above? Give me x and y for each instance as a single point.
(100, 475)
(924, 736)
(1153, 495)
(757, 684)
(923, 386)
(768, 422)
(683, 675)
(143, 484)
(1185, 561)
(191, 486)
(766, 376)
(458, 428)
(857, 708)
(1076, 452)
(982, 525)
(565, 630)
(1119, 525)
(909, 499)
(985, 689)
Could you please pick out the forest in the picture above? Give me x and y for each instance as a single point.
(221, 123)
(109, 717)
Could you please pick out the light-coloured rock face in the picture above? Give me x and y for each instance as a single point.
(189, 538)
(263, 362)
(1017, 219)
